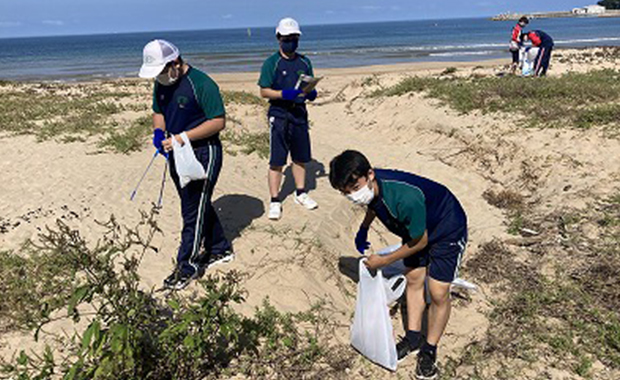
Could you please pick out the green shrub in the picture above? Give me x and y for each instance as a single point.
(135, 334)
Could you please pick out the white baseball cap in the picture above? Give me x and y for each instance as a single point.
(155, 56)
(288, 26)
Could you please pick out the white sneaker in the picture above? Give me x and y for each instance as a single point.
(275, 210)
(305, 200)
(222, 258)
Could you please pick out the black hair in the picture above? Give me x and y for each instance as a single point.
(523, 35)
(177, 61)
(279, 36)
(346, 168)
(524, 19)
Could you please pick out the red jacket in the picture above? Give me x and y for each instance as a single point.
(540, 39)
(516, 33)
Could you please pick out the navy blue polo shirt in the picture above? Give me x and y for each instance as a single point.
(409, 204)
(279, 73)
(192, 100)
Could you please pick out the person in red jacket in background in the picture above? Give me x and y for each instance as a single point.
(545, 43)
(515, 42)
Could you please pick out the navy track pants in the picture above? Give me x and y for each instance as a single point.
(202, 233)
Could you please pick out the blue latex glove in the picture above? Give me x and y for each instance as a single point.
(361, 240)
(158, 138)
(311, 95)
(290, 94)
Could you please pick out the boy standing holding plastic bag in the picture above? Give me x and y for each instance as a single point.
(433, 228)
(186, 100)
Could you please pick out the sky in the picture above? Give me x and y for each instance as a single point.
(26, 18)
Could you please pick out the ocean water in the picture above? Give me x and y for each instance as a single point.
(233, 50)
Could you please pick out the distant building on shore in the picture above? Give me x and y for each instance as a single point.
(586, 11)
(589, 10)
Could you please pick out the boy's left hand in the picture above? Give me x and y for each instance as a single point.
(375, 261)
(311, 95)
(167, 143)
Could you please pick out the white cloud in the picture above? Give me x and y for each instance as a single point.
(227, 16)
(330, 12)
(371, 7)
(9, 24)
(395, 8)
(53, 22)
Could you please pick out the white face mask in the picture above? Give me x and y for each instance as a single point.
(363, 196)
(165, 79)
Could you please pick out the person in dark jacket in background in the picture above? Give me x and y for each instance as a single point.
(544, 42)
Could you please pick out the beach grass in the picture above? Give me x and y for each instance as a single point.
(70, 113)
(242, 97)
(76, 112)
(566, 313)
(48, 115)
(247, 142)
(578, 100)
(130, 139)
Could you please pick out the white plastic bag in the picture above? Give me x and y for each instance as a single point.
(398, 267)
(394, 288)
(185, 161)
(371, 331)
(513, 46)
(460, 283)
(528, 58)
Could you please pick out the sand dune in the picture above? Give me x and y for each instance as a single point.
(309, 256)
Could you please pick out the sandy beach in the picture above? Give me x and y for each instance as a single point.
(309, 256)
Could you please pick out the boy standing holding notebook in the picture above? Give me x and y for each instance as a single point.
(288, 117)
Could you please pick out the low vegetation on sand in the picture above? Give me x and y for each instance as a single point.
(558, 294)
(579, 100)
(76, 112)
(136, 333)
(117, 115)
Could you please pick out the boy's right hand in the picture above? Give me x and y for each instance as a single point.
(361, 240)
(158, 138)
(290, 94)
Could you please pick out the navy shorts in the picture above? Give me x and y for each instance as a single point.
(288, 135)
(442, 258)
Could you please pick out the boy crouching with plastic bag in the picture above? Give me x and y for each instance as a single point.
(433, 228)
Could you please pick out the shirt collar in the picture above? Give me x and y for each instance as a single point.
(378, 198)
